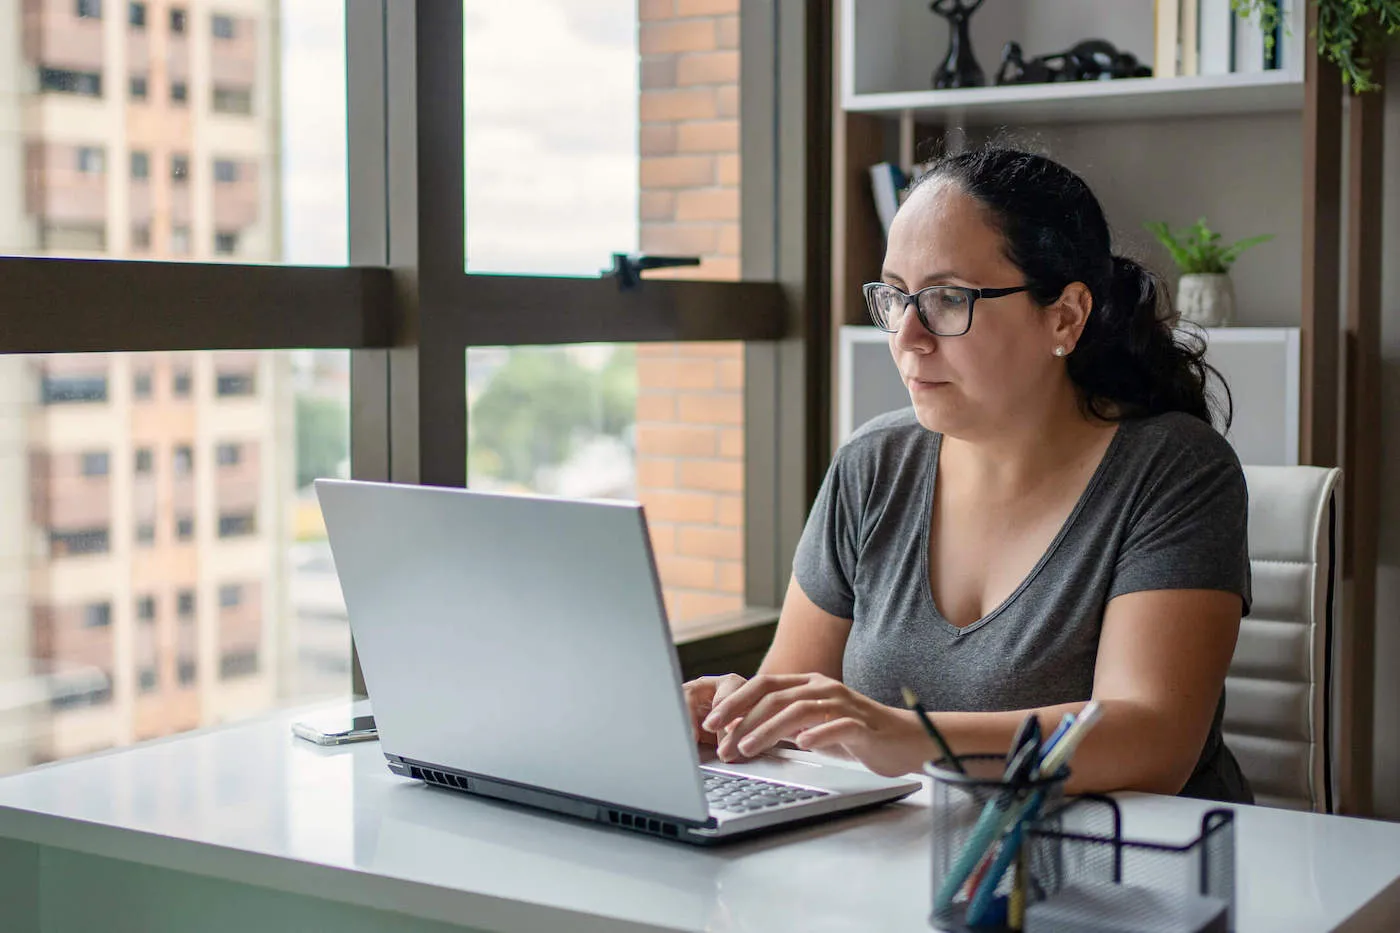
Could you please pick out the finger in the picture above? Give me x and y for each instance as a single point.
(837, 734)
(794, 718)
(764, 710)
(739, 702)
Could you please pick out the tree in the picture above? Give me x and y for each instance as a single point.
(323, 437)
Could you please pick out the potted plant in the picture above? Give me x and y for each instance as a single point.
(1204, 294)
(1352, 34)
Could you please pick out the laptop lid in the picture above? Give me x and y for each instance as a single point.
(522, 638)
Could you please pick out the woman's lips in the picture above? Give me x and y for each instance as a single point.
(923, 385)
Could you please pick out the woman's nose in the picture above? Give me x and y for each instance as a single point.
(912, 336)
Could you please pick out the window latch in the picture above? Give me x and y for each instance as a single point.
(627, 268)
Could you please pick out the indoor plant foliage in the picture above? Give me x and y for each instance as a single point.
(1204, 294)
(1350, 33)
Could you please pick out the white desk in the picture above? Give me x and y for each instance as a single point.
(246, 828)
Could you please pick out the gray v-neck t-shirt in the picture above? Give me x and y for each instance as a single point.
(1166, 509)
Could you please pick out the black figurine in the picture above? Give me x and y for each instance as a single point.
(959, 68)
(1089, 60)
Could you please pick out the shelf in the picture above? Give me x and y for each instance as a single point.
(1086, 101)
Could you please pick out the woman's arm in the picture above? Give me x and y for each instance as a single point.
(809, 640)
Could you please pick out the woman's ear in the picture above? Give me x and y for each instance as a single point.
(1070, 313)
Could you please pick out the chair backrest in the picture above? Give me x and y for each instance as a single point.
(1277, 706)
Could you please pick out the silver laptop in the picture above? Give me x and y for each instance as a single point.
(517, 647)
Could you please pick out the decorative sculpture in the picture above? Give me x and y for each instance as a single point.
(959, 68)
(1089, 60)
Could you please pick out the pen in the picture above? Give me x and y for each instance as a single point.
(911, 700)
(982, 897)
(1056, 758)
(1066, 721)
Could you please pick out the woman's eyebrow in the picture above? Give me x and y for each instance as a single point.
(894, 279)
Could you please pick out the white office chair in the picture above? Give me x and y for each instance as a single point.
(1277, 703)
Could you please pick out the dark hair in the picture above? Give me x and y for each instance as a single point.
(1129, 360)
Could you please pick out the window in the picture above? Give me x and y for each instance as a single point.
(146, 609)
(136, 15)
(179, 92)
(145, 461)
(184, 604)
(146, 680)
(225, 244)
(58, 80)
(223, 27)
(140, 165)
(180, 246)
(238, 663)
(95, 464)
(91, 160)
(228, 455)
(179, 168)
(145, 533)
(234, 384)
(184, 460)
(177, 21)
(73, 237)
(97, 615)
(138, 87)
(89, 9)
(230, 595)
(80, 697)
(237, 100)
(184, 529)
(141, 241)
(237, 525)
(225, 171)
(185, 671)
(74, 543)
(62, 390)
(181, 383)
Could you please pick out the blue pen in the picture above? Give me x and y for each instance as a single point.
(984, 895)
(1066, 721)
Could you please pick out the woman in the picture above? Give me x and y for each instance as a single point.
(1054, 520)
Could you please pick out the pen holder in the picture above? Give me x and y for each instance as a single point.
(979, 821)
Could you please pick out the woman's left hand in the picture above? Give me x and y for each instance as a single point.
(820, 714)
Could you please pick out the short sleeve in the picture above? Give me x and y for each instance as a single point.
(825, 562)
(1191, 532)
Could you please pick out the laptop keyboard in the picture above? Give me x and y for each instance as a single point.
(730, 793)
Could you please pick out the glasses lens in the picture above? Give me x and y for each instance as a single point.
(887, 306)
(945, 310)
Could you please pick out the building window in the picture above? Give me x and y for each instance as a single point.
(138, 88)
(136, 15)
(179, 168)
(177, 21)
(59, 390)
(225, 171)
(97, 615)
(238, 525)
(184, 460)
(182, 382)
(89, 9)
(146, 609)
(140, 165)
(228, 455)
(146, 534)
(230, 384)
(225, 244)
(180, 245)
(92, 160)
(145, 460)
(184, 604)
(230, 595)
(147, 679)
(185, 671)
(179, 92)
(86, 83)
(184, 528)
(74, 236)
(224, 27)
(141, 239)
(73, 543)
(238, 663)
(233, 100)
(94, 696)
(96, 463)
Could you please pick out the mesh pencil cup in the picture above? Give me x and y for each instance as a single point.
(975, 826)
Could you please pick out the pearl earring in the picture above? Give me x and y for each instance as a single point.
(1059, 351)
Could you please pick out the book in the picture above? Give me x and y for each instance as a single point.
(886, 184)
(1248, 46)
(1215, 37)
(1190, 38)
(1168, 39)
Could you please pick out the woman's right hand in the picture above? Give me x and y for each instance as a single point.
(702, 695)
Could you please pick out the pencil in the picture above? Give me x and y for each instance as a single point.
(911, 700)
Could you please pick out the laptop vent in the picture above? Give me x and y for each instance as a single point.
(643, 824)
(440, 778)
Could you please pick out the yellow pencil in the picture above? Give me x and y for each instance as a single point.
(1016, 913)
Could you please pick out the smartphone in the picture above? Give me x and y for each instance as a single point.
(336, 728)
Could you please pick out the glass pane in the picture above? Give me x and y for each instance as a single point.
(562, 171)
(162, 561)
(200, 130)
(657, 423)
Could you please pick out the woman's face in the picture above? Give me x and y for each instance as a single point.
(979, 382)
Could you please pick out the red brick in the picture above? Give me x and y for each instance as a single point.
(712, 349)
(728, 170)
(690, 36)
(727, 32)
(656, 9)
(707, 136)
(654, 440)
(653, 473)
(687, 240)
(689, 104)
(691, 374)
(731, 374)
(706, 7)
(663, 537)
(723, 543)
(727, 101)
(718, 269)
(712, 476)
(652, 351)
(720, 408)
(694, 573)
(693, 606)
(678, 172)
(707, 68)
(731, 511)
(683, 507)
(729, 240)
(658, 205)
(731, 443)
(657, 139)
(707, 204)
(658, 72)
(655, 406)
(731, 576)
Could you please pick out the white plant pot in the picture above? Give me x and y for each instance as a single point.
(1206, 299)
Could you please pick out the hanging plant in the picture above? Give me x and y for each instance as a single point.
(1349, 33)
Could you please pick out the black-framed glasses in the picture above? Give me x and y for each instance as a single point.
(944, 310)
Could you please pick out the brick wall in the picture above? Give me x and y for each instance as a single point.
(690, 439)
